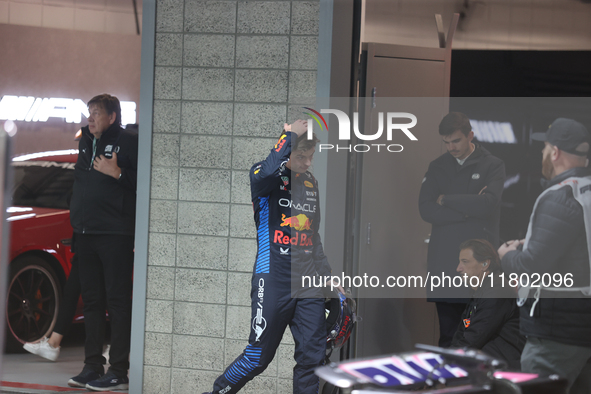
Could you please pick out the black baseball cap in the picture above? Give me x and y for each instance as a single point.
(566, 134)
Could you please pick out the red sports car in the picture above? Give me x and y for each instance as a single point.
(40, 250)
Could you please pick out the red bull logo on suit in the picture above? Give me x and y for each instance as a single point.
(300, 222)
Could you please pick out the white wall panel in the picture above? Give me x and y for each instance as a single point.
(489, 24)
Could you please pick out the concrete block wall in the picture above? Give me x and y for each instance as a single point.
(228, 74)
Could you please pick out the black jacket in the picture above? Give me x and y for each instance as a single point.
(100, 203)
(558, 244)
(465, 213)
(491, 322)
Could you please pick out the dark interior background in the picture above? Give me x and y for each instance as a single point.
(529, 89)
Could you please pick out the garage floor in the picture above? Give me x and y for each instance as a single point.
(27, 373)
(30, 371)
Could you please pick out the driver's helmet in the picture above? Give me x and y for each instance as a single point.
(340, 319)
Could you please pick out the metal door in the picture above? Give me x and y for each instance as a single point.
(4, 225)
(391, 231)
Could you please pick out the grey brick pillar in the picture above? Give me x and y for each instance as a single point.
(227, 77)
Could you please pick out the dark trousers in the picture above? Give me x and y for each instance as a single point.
(305, 317)
(69, 301)
(106, 270)
(546, 357)
(449, 314)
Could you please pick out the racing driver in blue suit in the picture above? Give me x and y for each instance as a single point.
(287, 215)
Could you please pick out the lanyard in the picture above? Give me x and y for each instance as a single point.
(93, 151)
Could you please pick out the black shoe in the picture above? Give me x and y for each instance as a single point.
(108, 382)
(87, 375)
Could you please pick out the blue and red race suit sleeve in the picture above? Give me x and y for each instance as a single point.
(263, 176)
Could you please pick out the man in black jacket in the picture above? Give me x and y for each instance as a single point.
(558, 328)
(491, 319)
(102, 213)
(460, 197)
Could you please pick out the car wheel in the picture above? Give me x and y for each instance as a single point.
(32, 303)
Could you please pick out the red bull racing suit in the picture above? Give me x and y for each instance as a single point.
(287, 216)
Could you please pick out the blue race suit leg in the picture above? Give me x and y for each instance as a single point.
(272, 308)
(270, 317)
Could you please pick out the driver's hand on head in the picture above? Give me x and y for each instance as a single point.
(299, 127)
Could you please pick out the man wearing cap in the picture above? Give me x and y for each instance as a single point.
(556, 318)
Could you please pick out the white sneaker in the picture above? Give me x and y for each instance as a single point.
(42, 349)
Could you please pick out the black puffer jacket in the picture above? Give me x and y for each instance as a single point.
(558, 244)
(465, 213)
(100, 203)
(491, 322)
